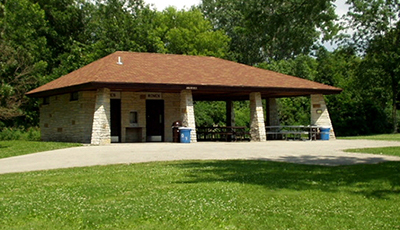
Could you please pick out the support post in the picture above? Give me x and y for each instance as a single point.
(257, 124)
(320, 114)
(230, 116)
(230, 113)
(187, 113)
(273, 112)
(101, 129)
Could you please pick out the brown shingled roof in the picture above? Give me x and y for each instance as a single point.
(208, 76)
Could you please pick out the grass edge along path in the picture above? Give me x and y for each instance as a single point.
(393, 151)
(235, 194)
(18, 147)
(379, 137)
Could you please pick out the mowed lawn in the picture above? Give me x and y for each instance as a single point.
(379, 137)
(18, 147)
(394, 151)
(233, 194)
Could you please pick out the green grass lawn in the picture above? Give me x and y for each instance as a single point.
(380, 137)
(394, 151)
(204, 195)
(16, 148)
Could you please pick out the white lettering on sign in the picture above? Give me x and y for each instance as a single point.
(191, 87)
(153, 96)
(115, 95)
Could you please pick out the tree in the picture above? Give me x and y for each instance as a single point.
(188, 32)
(360, 108)
(104, 27)
(22, 44)
(377, 38)
(294, 110)
(383, 55)
(266, 30)
(65, 25)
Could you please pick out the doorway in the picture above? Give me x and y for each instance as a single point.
(115, 117)
(154, 120)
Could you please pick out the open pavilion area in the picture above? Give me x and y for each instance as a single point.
(135, 97)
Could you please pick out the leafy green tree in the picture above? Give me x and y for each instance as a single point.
(360, 108)
(294, 110)
(65, 26)
(105, 27)
(377, 37)
(209, 114)
(265, 30)
(188, 32)
(23, 45)
(129, 25)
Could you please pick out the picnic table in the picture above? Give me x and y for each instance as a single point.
(292, 132)
(223, 133)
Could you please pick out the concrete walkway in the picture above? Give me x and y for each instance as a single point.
(305, 152)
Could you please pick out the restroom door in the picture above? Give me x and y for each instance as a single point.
(115, 116)
(154, 120)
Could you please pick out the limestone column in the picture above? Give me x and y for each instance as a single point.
(273, 112)
(320, 114)
(187, 113)
(101, 129)
(257, 124)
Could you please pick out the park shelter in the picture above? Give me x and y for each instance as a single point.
(135, 97)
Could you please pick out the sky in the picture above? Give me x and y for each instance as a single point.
(180, 4)
(160, 5)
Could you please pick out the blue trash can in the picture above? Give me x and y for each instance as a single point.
(325, 133)
(185, 134)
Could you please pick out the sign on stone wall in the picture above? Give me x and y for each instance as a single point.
(153, 96)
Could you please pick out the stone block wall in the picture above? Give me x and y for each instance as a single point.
(257, 124)
(273, 112)
(101, 129)
(72, 121)
(187, 113)
(172, 102)
(66, 120)
(133, 102)
(136, 102)
(320, 114)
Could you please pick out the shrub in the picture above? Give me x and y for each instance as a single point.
(30, 134)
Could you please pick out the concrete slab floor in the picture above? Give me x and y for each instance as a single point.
(328, 153)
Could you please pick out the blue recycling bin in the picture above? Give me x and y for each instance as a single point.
(325, 133)
(185, 134)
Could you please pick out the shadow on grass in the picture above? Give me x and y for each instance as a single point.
(376, 180)
(329, 160)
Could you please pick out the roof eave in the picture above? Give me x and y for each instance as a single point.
(123, 86)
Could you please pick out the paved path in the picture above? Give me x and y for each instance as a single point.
(304, 152)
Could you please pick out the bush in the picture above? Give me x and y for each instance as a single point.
(30, 134)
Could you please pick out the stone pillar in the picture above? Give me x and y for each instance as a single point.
(319, 113)
(257, 125)
(230, 113)
(187, 113)
(101, 130)
(273, 112)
